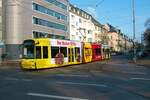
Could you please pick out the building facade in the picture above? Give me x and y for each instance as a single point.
(114, 41)
(25, 19)
(0, 20)
(100, 33)
(1, 41)
(113, 36)
(81, 26)
(118, 41)
(97, 33)
(126, 44)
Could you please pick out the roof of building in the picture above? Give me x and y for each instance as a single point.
(80, 12)
(96, 22)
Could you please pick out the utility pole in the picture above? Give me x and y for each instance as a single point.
(134, 45)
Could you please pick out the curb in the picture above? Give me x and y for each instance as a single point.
(10, 63)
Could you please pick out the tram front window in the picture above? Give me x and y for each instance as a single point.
(28, 52)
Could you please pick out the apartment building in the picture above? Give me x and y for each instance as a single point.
(118, 41)
(81, 26)
(126, 44)
(25, 19)
(100, 33)
(97, 31)
(1, 41)
(114, 38)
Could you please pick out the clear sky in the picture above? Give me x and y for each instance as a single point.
(118, 13)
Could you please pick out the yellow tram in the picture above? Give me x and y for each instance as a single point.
(87, 52)
(48, 53)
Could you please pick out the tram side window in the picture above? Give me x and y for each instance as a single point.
(64, 51)
(45, 52)
(54, 51)
(77, 51)
(38, 52)
(98, 51)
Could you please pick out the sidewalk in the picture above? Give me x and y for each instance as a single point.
(143, 62)
(10, 63)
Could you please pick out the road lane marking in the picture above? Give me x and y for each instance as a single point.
(54, 96)
(96, 71)
(141, 73)
(26, 80)
(16, 79)
(83, 84)
(140, 66)
(72, 75)
(11, 79)
(144, 79)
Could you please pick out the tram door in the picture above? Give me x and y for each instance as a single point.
(41, 57)
(71, 55)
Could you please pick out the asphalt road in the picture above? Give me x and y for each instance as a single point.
(115, 79)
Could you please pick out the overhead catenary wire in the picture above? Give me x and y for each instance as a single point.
(99, 3)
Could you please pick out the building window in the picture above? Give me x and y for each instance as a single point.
(80, 38)
(80, 21)
(74, 10)
(73, 37)
(46, 23)
(73, 17)
(89, 31)
(69, 8)
(73, 27)
(76, 33)
(57, 3)
(34, 6)
(76, 23)
(46, 35)
(78, 12)
(39, 34)
(82, 14)
(35, 21)
(47, 11)
(89, 39)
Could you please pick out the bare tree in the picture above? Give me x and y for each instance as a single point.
(147, 23)
(147, 32)
(147, 36)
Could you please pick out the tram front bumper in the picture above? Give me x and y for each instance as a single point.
(28, 64)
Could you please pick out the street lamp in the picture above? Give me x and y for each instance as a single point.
(133, 12)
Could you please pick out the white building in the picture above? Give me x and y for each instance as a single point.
(81, 26)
